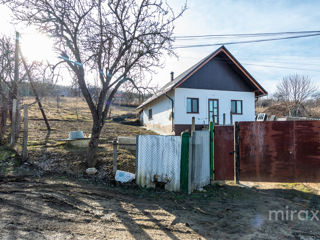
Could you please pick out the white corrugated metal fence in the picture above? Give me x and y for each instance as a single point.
(160, 156)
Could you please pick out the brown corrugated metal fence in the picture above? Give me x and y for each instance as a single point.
(277, 151)
(223, 153)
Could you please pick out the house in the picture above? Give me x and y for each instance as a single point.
(218, 88)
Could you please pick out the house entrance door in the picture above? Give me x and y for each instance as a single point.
(213, 106)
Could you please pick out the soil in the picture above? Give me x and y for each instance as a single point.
(60, 208)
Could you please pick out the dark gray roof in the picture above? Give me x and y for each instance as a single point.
(171, 85)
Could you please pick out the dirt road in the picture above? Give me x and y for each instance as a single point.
(56, 208)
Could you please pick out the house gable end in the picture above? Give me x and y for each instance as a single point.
(218, 74)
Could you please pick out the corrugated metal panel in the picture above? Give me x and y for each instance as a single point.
(286, 151)
(161, 156)
(223, 153)
(200, 172)
(307, 150)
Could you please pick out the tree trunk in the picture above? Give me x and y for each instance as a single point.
(3, 120)
(93, 144)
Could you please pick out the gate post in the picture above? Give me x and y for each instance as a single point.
(184, 168)
(211, 126)
(236, 153)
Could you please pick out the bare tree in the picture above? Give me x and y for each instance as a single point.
(116, 38)
(8, 83)
(293, 90)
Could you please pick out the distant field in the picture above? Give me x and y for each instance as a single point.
(69, 108)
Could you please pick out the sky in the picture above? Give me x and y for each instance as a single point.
(230, 17)
(301, 56)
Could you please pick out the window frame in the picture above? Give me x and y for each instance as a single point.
(192, 112)
(150, 114)
(236, 107)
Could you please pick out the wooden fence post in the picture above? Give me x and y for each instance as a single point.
(115, 143)
(184, 168)
(18, 121)
(236, 153)
(193, 126)
(13, 122)
(25, 133)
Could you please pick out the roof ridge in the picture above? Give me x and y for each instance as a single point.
(187, 73)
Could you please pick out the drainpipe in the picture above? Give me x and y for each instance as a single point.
(172, 108)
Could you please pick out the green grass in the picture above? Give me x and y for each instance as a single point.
(9, 159)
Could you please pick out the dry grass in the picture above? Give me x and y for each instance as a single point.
(51, 155)
(280, 110)
(69, 108)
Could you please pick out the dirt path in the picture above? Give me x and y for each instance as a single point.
(64, 209)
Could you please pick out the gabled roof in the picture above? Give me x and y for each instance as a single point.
(258, 89)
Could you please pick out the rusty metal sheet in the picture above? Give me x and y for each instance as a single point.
(223, 153)
(307, 151)
(286, 151)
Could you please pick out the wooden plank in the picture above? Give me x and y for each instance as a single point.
(115, 143)
(13, 122)
(193, 126)
(25, 133)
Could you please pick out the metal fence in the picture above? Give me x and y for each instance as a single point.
(280, 151)
(158, 161)
(199, 159)
(223, 153)
(272, 151)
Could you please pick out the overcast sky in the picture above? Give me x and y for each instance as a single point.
(300, 56)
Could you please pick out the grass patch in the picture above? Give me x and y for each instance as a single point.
(9, 159)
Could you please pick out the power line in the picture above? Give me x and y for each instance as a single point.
(242, 42)
(244, 35)
(270, 66)
(274, 66)
(266, 61)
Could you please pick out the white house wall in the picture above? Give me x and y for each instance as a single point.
(161, 115)
(224, 97)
